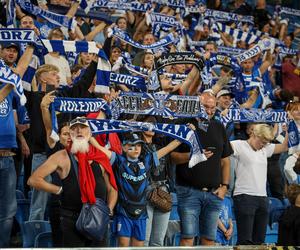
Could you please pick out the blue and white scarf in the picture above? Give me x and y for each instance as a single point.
(30, 72)
(103, 68)
(134, 82)
(126, 38)
(17, 36)
(9, 77)
(10, 14)
(174, 106)
(222, 16)
(237, 33)
(51, 17)
(289, 11)
(265, 44)
(81, 106)
(121, 5)
(294, 138)
(171, 3)
(179, 132)
(130, 67)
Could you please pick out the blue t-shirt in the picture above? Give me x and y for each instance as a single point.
(132, 180)
(224, 216)
(7, 123)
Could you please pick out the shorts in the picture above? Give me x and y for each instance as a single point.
(194, 204)
(126, 227)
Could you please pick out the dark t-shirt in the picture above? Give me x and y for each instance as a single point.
(208, 173)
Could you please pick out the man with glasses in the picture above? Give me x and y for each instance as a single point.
(201, 189)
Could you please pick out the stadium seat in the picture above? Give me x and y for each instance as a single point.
(22, 213)
(19, 195)
(174, 216)
(272, 234)
(173, 234)
(276, 209)
(32, 229)
(43, 240)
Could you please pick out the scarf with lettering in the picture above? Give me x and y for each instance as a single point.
(179, 132)
(178, 58)
(289, 11)
(17, 36)
(223, 16)
(56, 19)
(157, 104)
(126, 38)
(294, 138)
(132, 82)
(9, 77)
(81, 106)
(121, 5)
(103, 68)
(262, 45)
(264, 116)
(171, 3)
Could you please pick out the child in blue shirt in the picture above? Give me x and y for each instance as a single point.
(225, 226)
(132, 173)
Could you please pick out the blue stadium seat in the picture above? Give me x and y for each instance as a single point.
(32, 229)
(22, 213)
(173, 234)
(276, 209)
(272, 234)
(43, 240)
(20, 195)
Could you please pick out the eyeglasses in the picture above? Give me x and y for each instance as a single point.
(78, 120)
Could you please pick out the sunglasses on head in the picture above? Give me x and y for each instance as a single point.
(78, 120)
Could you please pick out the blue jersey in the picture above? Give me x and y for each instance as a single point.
(7, 123)
(132, 180)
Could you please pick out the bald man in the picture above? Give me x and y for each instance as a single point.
(201, 189)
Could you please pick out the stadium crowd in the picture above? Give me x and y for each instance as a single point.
(134, 106)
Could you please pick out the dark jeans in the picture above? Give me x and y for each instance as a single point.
(251, 213)
(70, 236)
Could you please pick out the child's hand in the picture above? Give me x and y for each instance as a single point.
(228, 233)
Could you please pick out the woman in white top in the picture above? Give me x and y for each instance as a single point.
(251, 205)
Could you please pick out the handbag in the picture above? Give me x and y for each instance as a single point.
(93, 219)
(161, 199)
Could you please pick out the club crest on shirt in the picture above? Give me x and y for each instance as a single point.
(4, 108)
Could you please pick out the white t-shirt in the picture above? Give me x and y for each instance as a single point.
(63, 65)
(251, 168)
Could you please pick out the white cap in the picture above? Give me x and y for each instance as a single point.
(224, 92)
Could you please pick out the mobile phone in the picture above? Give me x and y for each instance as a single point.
(211, 148)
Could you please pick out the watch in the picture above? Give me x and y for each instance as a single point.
(224, 184)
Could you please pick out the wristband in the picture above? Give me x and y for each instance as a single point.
(59, 191)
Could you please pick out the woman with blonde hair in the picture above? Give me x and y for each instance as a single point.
(251, 204)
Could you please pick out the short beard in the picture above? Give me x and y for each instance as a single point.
(79, 145)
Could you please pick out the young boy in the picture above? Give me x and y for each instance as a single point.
(132, 173)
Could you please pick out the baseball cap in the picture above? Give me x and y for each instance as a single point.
(224, 92)
(79, 120)
(6, 45)
(132, 139)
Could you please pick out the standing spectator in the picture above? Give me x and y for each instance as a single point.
(290, 75)
(251, 204)
(65, 163)
(225, 226)
(60, 61)
(199, 195)
(289, 223)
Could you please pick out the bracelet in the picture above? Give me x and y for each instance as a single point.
(59, 191)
